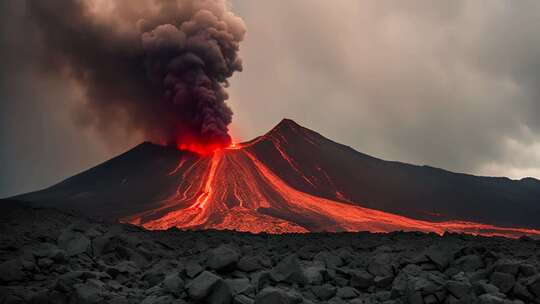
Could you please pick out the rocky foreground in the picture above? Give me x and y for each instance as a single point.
(49, 256)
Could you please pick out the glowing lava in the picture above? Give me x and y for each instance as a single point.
(188, 142)
(232, 189)
(198, 148)
(207, 190)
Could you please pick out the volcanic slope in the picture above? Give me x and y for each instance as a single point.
(293, 180)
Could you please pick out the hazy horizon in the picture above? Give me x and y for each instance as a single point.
(450, 84)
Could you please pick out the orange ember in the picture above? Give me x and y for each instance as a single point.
(204, 148)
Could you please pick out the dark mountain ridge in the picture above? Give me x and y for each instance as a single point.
(421, 192)
(145, 177)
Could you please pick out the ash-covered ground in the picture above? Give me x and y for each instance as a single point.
(51, 256)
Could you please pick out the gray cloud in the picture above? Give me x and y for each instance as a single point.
(452, 84)
(162, 68)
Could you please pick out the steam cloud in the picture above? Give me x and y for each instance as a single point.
(159, 67)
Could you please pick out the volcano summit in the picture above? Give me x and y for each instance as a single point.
(293, 179)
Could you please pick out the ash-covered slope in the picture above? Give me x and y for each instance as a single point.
(292, 180)
(127, 184)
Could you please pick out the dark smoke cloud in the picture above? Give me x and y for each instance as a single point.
(452, 84)
(155, 67)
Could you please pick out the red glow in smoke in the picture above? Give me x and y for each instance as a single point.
(201, 149)
(188, 143)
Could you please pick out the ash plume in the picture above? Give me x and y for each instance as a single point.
(156, 67)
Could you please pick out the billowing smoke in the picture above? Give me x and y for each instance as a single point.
(159, 67)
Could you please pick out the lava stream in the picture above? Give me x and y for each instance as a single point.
(232, 189)
(207, 190)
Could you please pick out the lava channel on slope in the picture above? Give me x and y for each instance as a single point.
(231, 189)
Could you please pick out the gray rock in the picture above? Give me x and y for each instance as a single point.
(381, 265)
(28, 265)
(66, 282)
(289, 270)
(193, 268)
(159, 299)
(415, 298)
(347, 292)
(202, 285)
(48, 250)
(260, 280)
(173, 283)
(521, 292)
(39, 297)
(504, 281)
(238, 286)
(45, 263)
(527, 270)
(153, 278)
(330, 260)
(314, 274)
(383, 282)
(249, 264)
(469, 263)
(361, 279)
(124, 267)
(271, 295)
(324, 292)
(11, 271)
(222, 257)
(440, 255)
(114, 285)
(221, 294)
(507, 266)
(73, 243)
(118, 299)
(88, 293)
(534, 285)
(458, 289)
(450, 299)
(242, 299)
(166, 266)
(479, 275)
(307, 252)
(102, 245)
(490, 299)
(430, 299)
(482, 287)
(382, 296)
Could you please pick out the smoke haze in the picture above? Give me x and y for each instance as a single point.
(451, 84)
(159, 68)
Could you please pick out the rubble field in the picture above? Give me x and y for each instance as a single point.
(52, 256)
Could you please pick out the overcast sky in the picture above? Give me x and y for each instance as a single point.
(451, 84)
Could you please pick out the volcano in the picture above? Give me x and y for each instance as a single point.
(293, 179)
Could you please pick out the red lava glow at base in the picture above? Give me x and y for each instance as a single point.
(231, 189)
(201, 149)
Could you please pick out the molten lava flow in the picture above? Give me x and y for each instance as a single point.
(201, 149)
(201, 146)
(207, 190)
(234, 146)
(197, 147)
(232, 189)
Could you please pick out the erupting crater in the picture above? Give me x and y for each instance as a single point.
(289, 180)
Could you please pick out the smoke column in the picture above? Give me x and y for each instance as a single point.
(157, 67)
